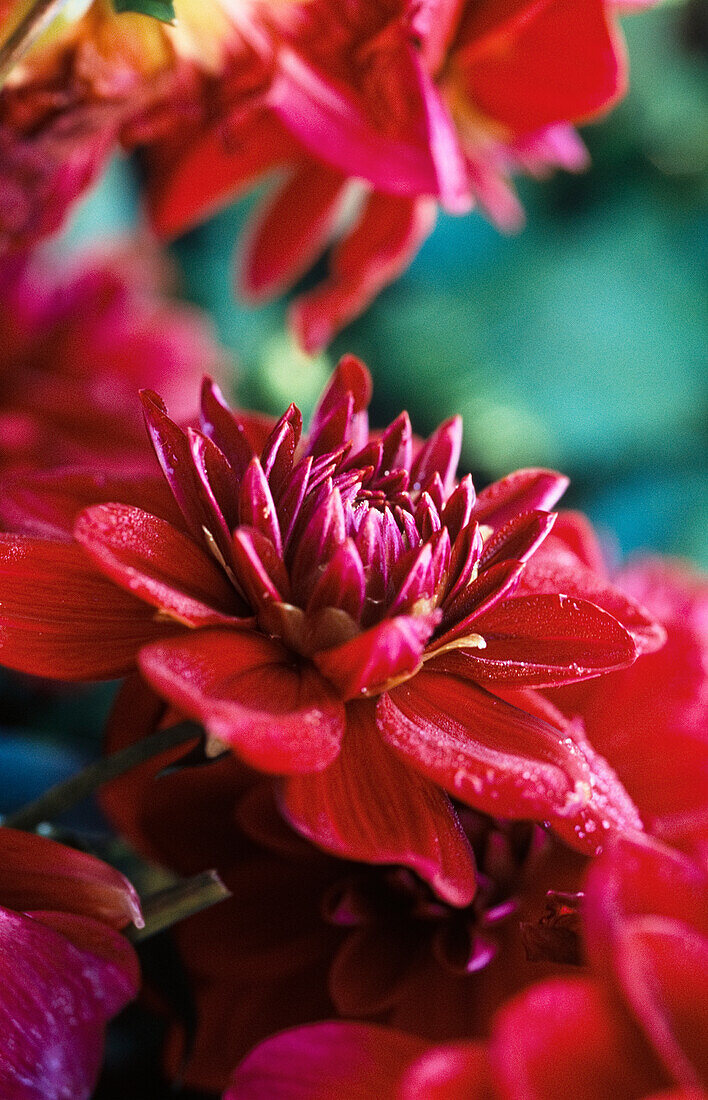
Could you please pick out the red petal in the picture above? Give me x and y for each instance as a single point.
(483, 751)
(439, 454)
(59, 617)
(369, 806)
(562, 62)
(213, 170)
(542, 641)
(518, 538)
(356, 1061)
(522, 491)
(56, 1000)
(246, 689)
(453, 1071)
(389, 232)
(290, 231)
(47, 505)
(475, 599)
(555, 568)
(37, 873)
(342, 583)
(227, 430)
(155, 561)
(369, 661)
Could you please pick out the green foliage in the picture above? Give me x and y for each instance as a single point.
(164, 10)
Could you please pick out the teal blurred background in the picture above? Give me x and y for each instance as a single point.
(580, 343)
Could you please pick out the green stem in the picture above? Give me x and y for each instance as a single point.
(26, 33)
(64, 795)
(167, 907)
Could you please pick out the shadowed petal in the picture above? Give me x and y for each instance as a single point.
(59, 617)
(353, 1061)
(279, 716)
(369, 806)
(38, 873)
(156, 562)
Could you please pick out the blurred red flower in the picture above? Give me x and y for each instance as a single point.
(74, 347)
(416, 104)
(65, 970)
(340, 582)
(632, 1025)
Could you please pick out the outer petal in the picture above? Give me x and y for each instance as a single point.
(454, 1071)
(542, 641)
(351, 1061)
(369, 806)
(522, 491)
(56, 1000)
(60, 618)
(154, 560)
(556, 568)
(37, 873)
(279, 716)
(500, 760)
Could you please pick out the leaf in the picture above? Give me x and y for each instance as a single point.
(164, 10)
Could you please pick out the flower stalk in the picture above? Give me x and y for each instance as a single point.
(167, 907)
(26, 33)
(63, 796)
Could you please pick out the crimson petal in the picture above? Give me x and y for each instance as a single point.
(61, 618)
(496, 758)
(543, 641)
(369, 806)
(155, 561)
(522, 491)
(370, 660)
(279, 716)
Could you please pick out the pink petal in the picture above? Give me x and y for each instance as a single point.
(542, 641)
(369, 806)
(388, 233)
(155, 561)
(522, 491)
(291, 231)
(451, 1071)
(370, 660)
(439, 454)
(59, 617)
(38, 873)
(567, 1037)
(56, 1001)
(342, 583)
(356, 1061)
(247, 690)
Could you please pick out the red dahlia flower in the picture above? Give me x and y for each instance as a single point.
(633, 1025)
(65, 969)
(72, 348)
(415, 103)
(339, 610)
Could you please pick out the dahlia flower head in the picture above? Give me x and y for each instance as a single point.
(377, 114)
(344, 614)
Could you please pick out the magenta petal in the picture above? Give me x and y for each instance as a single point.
(451, 1071)
(226, 430)
(155, 561)
(522, 491)
(56, 1000)
(318, 1062)
(279, 716)
(517, 538)
(256, 505)
(439, 454)
(342, 583)
(59, 617)
(370, 660)
(543, 641)
(369, 806)
(259, 568)
(499, 760)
